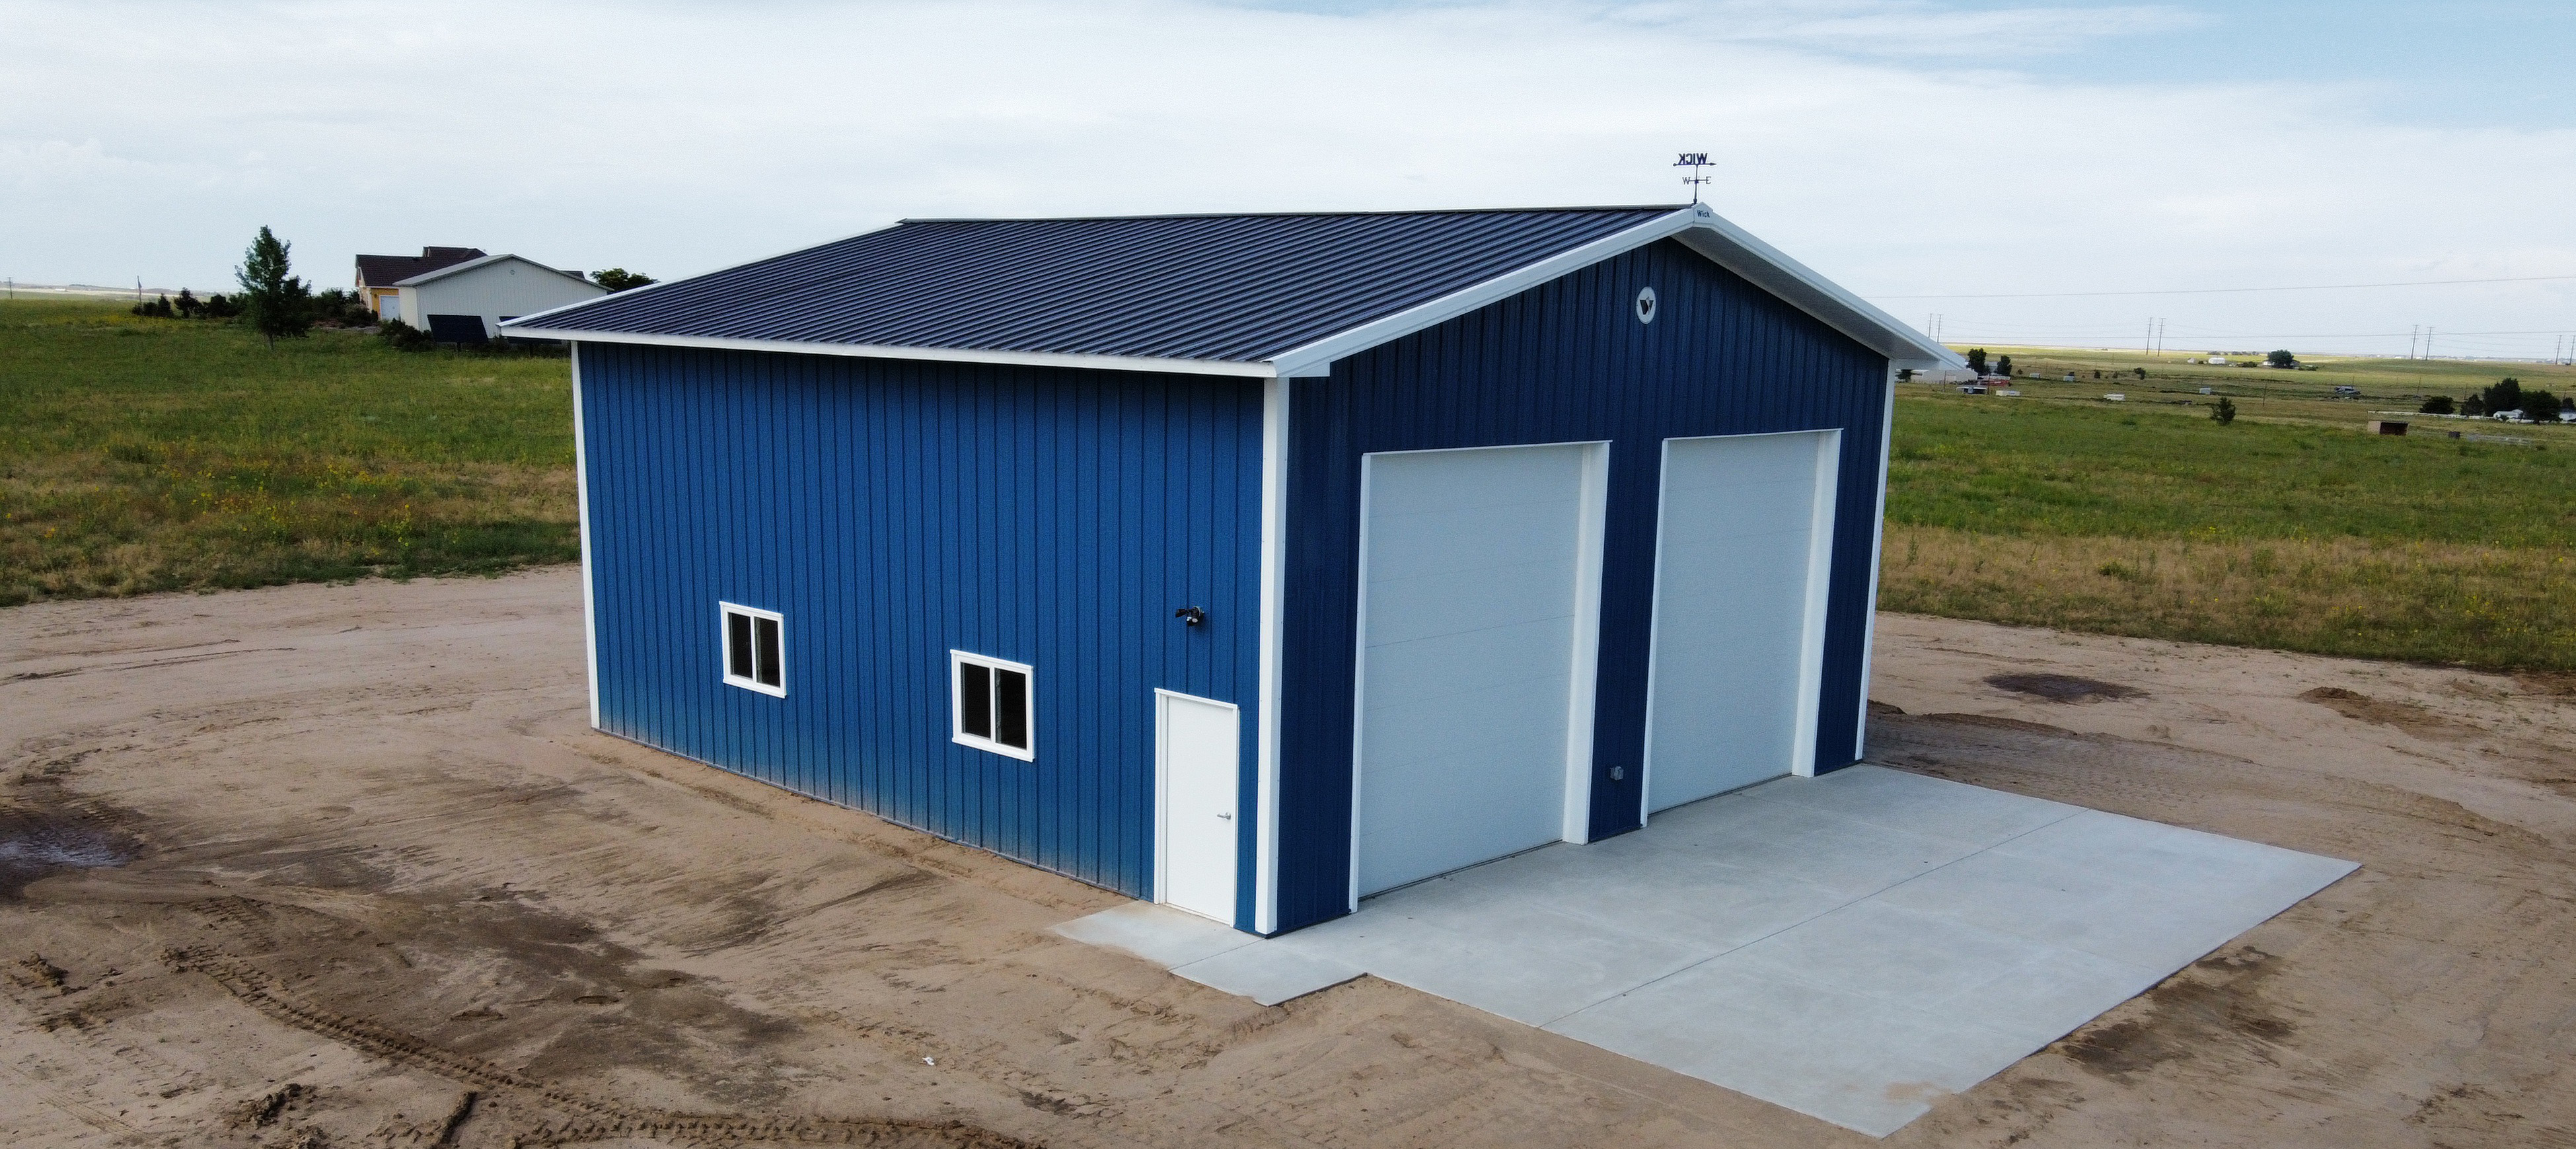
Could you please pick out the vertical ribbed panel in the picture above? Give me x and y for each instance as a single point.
(1564, 362)
(892, 511)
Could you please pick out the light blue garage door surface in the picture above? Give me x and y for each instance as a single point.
(1469, 566)
(1853, 947)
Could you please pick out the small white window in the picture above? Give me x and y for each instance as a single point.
(992, 705)
(755, 649)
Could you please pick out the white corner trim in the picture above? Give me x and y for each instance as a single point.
(581, 505)
(1274, 583)
(1581, 708)
(1820, 584)
(1359, 672)
(1877, 554)
(1317, 357)
(930, 354)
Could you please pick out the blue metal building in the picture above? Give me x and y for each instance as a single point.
(1250, 563)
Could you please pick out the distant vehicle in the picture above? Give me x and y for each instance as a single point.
(1972, 388)
(2347, 392)
(2209, 390)
(2218, 361)
(2117, 397)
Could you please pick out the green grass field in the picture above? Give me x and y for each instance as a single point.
(2292, 528)
(148, 454)
(154, 454)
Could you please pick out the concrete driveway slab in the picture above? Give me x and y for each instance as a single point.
(1853, 947)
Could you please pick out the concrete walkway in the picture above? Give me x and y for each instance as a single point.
(1852, 947)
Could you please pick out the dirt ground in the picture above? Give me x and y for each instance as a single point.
(344, 866)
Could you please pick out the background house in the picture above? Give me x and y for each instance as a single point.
(1252, 564)
(377, 275)
(467, 302)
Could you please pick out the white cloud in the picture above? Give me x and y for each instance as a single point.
(153, 139)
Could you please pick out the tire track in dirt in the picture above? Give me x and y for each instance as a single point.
(590, 1118)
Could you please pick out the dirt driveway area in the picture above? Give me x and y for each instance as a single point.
(321, 866)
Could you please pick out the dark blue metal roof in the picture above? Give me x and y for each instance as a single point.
(1238, 288)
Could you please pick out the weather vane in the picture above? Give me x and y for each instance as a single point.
(1694, 161)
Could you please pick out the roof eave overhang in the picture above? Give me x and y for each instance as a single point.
(522, 329)
(1768, 268)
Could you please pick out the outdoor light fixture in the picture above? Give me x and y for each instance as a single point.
(1191, 615)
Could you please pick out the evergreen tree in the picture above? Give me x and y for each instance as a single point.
(2505, 396)
(2003, 366)
(1977, 360)
(278, 304)
(2225, 411)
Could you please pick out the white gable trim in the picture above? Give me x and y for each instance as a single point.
(1697, 228)
(1317, 358)
(1770, 269)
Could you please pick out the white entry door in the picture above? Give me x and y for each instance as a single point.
(1198, 754)
(1479, 571)
(1742, 560)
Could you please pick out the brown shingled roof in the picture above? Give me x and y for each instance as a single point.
(388, 270)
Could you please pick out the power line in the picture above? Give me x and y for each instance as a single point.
(2234, 290)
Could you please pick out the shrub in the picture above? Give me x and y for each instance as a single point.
(402, 336)
(2225, 411)
(2439, 405)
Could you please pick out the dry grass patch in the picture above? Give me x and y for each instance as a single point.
(2495, 607)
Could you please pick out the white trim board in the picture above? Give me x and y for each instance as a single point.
(581, 504)
(1877, 554)
(1266, 722)
(519, 329)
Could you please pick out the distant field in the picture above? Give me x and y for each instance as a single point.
(2292, 528)
(156, 454)
(143, 454)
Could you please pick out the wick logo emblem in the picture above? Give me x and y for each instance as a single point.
(1646, 306)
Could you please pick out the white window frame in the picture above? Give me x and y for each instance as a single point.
(724, 648)
(958, 659)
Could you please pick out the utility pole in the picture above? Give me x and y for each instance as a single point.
(2428, 343)
(2412, 330)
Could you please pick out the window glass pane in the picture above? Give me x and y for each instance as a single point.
(1011, 708)
(974, 700)
(738, 644)
(768, 646)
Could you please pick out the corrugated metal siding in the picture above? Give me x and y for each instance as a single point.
(1233, 288)
(893, 511)
(1563, 362)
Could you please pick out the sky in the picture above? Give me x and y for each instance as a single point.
(1999, 165)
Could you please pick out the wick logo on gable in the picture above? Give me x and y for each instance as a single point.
(1646, 306)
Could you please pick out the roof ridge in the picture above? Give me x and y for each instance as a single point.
(1296, 214)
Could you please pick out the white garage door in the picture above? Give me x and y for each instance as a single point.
(1747, 524)
(1474, 637)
